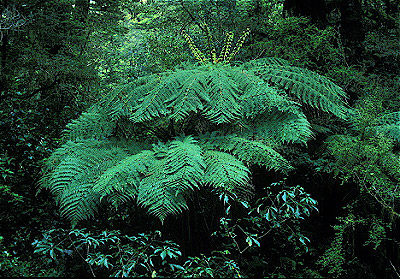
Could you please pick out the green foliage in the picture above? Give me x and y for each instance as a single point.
(10, 265)
(6, 194)
(217, 265)
(377, 233)
(299, 41)
(272, 212)
(382, 28)
(338, 258)
(110, 252)
(272, 222)
(25, 265)
(367, 156)
(341, 258)
(253, 117)
(169, 133)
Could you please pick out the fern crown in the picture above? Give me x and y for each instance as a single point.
(155, 140)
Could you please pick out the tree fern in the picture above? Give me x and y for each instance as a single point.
(125, 148)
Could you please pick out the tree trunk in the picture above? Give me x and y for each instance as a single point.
(3, 72)
(351, 27)
(81, 15)
(3, 52)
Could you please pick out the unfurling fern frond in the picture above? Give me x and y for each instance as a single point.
(226, 47)
(226, 54)
(239, 44)
(196, 52)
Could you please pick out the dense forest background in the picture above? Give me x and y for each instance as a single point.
(332, 213)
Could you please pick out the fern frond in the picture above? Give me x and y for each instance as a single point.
(118, 198)
(73, 150)
(261, 98)
(226, 174)
(178, 170)
(75, 174)
(124, 176)
(211, 91)
(309, 87)
(94, 125)
(185, 163)
(191, 97)
(223, 93)
(121, 100)
(78, 202)
(155, 193)
(250, 151)
(62, 175)
(153, 104)
(388, 119)
(279, 127)
(265, 61)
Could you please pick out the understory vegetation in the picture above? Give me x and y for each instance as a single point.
(209, 138)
